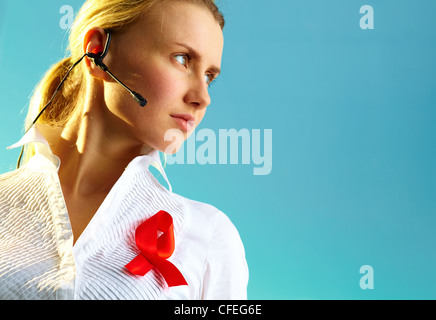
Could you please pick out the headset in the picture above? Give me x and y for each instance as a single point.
(97, 59)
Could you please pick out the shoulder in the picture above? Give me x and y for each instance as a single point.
(12, 182)
(206, 216)
(23, 189)
(25, 175)
(22, 178)
(224, 269)
(7, 176)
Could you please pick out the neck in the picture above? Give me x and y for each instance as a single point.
(93, 155)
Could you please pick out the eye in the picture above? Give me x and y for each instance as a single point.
(183, 59)
(209, 78)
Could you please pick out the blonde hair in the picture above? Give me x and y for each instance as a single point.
(113, 15)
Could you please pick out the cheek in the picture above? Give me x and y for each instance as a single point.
(164, 93)
(161, 86)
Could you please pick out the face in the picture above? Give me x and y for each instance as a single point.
(170, 57)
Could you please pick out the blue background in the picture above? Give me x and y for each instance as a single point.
(352, 112)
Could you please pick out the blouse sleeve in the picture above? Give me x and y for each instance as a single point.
(225, 275)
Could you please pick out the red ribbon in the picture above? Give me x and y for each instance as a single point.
(155, 251)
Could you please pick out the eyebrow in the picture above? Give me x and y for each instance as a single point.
(197, 56)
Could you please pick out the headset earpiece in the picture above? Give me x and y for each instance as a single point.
(97, 58)
(98, 50)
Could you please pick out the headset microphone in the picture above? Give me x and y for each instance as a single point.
(138, 98)
(97, 58)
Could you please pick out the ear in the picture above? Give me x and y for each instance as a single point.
(94, 42)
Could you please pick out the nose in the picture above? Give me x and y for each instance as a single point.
(197, 94)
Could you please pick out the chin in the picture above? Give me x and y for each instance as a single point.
(174, 139)
(171, 149)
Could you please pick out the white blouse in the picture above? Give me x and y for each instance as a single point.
(38, 259)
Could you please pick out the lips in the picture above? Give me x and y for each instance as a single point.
(184, 116)
(185, 121)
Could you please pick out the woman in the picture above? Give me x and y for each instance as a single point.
(83, 217)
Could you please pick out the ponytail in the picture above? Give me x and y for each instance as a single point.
(62, 106)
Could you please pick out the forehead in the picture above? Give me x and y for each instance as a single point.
(186, 23)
